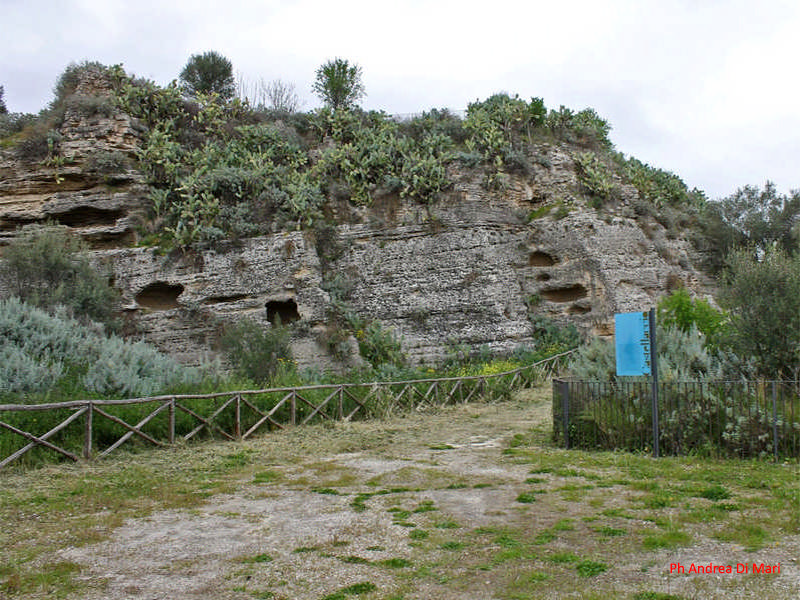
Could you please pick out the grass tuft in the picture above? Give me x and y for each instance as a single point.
(590, 568)
(527, 497)
(715, 493)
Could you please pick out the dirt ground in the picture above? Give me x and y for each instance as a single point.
(330, 512)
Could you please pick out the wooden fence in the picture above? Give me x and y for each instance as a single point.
(165, 420)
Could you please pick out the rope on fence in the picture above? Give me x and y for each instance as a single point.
(350, 399)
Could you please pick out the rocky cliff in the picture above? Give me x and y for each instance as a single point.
(469, 270)
(91, 186)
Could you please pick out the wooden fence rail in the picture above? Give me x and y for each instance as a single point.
(239, 415)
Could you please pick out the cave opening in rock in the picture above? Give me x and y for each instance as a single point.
(285, 310)
(565, 294)
(86, 216)
(159, 296)
(224, 299)
(541, 259)
(579, 309)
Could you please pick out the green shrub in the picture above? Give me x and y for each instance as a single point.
(436, 122)
(36, 142)
(659, 187)
(372, 156)
(423, 174)
(682, 356)
(14, 123)
(762, 295)
(89, 106)
(257, 353)
(592, 130)
(232, 183)
(145, 100)
(550, 337)
(22, 373)
(48, 267)
(106, 163)
(43, 352)
(68, 81)
(496, 127)
(596, 178)
(680, 310)
(585, 128)
(379, 346)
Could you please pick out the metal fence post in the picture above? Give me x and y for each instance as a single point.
(775, 419)
(565, 411)
(654, 379)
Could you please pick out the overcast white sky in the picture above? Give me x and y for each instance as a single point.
(708, 89)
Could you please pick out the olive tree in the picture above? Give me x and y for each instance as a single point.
(762, 295)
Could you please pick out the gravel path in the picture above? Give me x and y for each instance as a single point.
(339, 510)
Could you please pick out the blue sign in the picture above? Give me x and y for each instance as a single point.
(632, 337)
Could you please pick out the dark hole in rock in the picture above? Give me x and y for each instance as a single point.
(159, 296)
(579, 309)
(13, 224)
(565, 294)
(285, 310)
(543, 277)
(86, 216)
(541, 259)
(110, 240)
(220, 299)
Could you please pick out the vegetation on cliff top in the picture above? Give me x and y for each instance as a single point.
(221, 169)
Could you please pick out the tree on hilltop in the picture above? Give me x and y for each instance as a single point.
(208, 73)
(338, 84)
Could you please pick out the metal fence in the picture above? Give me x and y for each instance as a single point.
(719, 418)
(95, 428)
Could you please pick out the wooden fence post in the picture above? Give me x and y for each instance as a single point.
(172, 421)
(238, 425)
(87, 440)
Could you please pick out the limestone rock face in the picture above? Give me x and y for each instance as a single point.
(94, 188)
(178, 302)
(468, 270)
